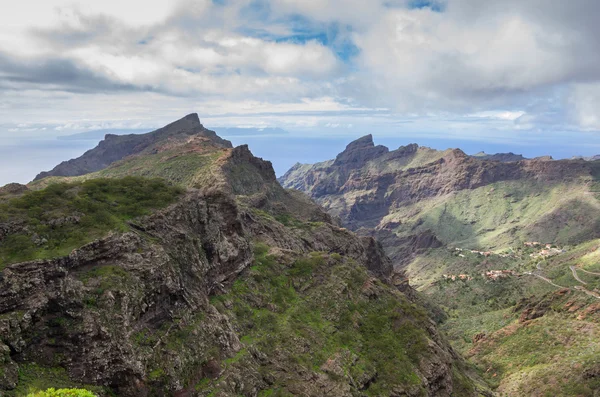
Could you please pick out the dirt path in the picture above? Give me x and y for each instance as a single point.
(585, 271)
(574, 270)
(585, 291)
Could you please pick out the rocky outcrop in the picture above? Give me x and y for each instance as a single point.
(87, 307)
(117, 147)
(358, 152)
(12, 189)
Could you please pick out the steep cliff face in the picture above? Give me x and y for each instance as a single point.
(117, 147)
(237, 288)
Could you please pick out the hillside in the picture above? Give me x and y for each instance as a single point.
(118, 147)
(416, 196)
(471, 233)
(207, 279)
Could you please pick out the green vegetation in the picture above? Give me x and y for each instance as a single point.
(545, 355)
(321, 309)
(33, 379)
(290, 221)
(185, 168)
(175, 166)
(63, 393)
(53, 221)
(504, 214)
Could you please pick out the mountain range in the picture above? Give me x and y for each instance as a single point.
(171, 263)
(508, 247)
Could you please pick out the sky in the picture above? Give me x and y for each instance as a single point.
(511, 75)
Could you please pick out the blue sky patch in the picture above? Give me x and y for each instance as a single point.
(434, 5)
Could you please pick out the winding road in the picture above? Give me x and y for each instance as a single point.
(586, 291)
(574, 270)
(586, 271)
(546, 280)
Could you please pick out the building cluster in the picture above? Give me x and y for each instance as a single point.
(483, 253)
(547, 250)
(454, 277)
(498, 274)
(532, 244)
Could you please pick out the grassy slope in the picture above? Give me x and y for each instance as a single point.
(504, 214)
(179, 167)
(319, 308)
(422, 157)
(546, 356)
(53, 221)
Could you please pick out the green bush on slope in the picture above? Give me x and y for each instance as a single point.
(63, 393)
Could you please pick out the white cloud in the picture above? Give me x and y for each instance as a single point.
(585, 105)
(447, 63)
(524, 64)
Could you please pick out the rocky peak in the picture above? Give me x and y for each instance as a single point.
(410, 148)
(364, 141)
(247, 174)
(187, 124)
(358, 152)
(455, 156)
(116, 147)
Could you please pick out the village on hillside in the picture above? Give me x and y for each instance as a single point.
(546, 250)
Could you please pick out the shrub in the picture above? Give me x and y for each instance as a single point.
(63, 393)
